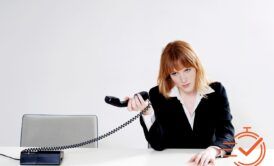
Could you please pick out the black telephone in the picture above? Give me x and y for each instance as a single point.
(54, 155)
(116, 102)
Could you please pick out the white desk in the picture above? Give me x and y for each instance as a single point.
(125, 157)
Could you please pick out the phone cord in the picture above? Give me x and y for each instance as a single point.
(56, 148)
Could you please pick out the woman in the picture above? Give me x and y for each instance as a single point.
(187, 110)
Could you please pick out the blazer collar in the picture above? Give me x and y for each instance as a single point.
(174, 92)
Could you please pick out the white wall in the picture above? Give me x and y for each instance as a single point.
(63, 57)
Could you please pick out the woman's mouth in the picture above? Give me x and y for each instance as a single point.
(186, 85)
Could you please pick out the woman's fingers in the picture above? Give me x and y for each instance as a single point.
(133, 104)
(206, 162)
(141, 99)
(143, 103)
(136, 103)
(129, 104)
(204, 158)
(126, 98)
(192, 159)
(211, 162)
(198, 158)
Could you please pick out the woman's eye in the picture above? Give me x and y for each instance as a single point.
(173, 74)
(187, 70)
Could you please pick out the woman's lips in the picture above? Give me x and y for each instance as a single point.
(186, 85)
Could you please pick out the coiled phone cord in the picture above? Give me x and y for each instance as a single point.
(56, 148)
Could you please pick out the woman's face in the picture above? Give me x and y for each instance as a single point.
(184, 79)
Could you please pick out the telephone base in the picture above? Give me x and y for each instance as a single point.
(41, 158)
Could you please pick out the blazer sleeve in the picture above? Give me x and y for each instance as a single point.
(156, 136)
(224, 128)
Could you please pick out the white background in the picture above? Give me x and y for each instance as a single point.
(64, 56)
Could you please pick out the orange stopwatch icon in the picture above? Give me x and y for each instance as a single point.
(255, 153)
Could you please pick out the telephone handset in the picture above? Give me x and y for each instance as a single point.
(54, 155)
(116, 102)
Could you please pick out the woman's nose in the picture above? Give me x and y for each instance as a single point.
(182, 78)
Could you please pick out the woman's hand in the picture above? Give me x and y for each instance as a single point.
(137, 103)
(205, 158)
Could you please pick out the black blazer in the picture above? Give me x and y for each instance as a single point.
(171, 129)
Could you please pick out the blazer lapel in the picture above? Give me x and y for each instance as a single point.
(198, 114)
(182, 114)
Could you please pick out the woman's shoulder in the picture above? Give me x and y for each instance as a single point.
(154, 90)
(217, 86)
(154, 93)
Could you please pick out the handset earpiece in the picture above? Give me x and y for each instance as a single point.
(118, 103)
